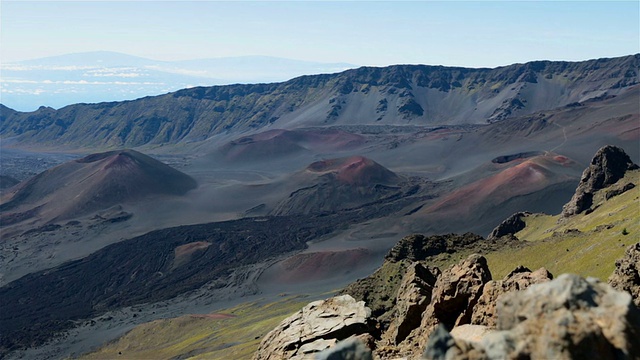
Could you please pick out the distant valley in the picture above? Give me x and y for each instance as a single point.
(290, 188)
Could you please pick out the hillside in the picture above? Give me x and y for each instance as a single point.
(400, 95)
(95, 182)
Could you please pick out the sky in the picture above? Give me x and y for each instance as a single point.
(454, 33)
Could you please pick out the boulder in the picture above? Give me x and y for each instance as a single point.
(414, 294)
(608, 166)
(316, 327)
(349, 349)
(570, 317)
(566, 318)
(458, 289)
(454, 295)
(626, 276)
(484, 313)
(510, 226)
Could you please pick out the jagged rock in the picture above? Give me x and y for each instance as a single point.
(567, 318)
(454, 295)
(616, 192)
(412, 299)
(510, 226)
(608, 165)
(570, 317)
(348, 349)
(317, 326)
(484, 313)
(626, 276)
(457, 290)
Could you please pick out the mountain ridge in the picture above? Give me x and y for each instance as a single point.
(395, 95)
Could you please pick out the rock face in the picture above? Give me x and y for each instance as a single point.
(317, 326)
(608, 165)
(567, 318)
(484, 313)
(412, 299)
(510, 226)
(626, 276)
(457, 291)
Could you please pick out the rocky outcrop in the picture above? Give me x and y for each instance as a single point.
(566, 318)
(608, 166)
(419, 247)
(316, 327)
(626, 276)
(458, 289)
(412, 299)
(484, 313)
(455, 293)
(510, 226)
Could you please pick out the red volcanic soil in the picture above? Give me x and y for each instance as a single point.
(284, 142)
(525, 177)
(96, 182)
(354, 170)
(319, 265)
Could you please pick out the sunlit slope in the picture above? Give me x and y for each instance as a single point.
(585, 244)
(233, 333)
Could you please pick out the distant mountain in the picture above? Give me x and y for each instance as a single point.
(394, 95)
(108, 76)
(92, 183)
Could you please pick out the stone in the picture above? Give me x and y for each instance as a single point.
(519, 279)
(349, 349)
(442, 345)
(510, 226)
(454, 295)
(414, 294)
(566, 318)
(626, 276)
(608, 165)
(569, 317)
(457, 290)
(470, 333)
(317, 326)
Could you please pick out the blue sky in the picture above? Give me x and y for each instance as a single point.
(456, 33)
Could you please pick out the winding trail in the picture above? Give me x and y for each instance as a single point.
(564, 133)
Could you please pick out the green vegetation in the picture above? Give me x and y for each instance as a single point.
(585, 244)
(233, 333)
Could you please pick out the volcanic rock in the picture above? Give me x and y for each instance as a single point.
(412, 299)
(349, 349)
(569, 317)
(454, 295)
(458, 289)
(317, 326)
(484, 313)
(608, 166)
(419, 247)
(566, 318)
(510, 226)
(626, 276)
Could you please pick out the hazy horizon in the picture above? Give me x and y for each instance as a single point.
(450, 33)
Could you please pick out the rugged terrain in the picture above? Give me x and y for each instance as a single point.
(298, 187)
